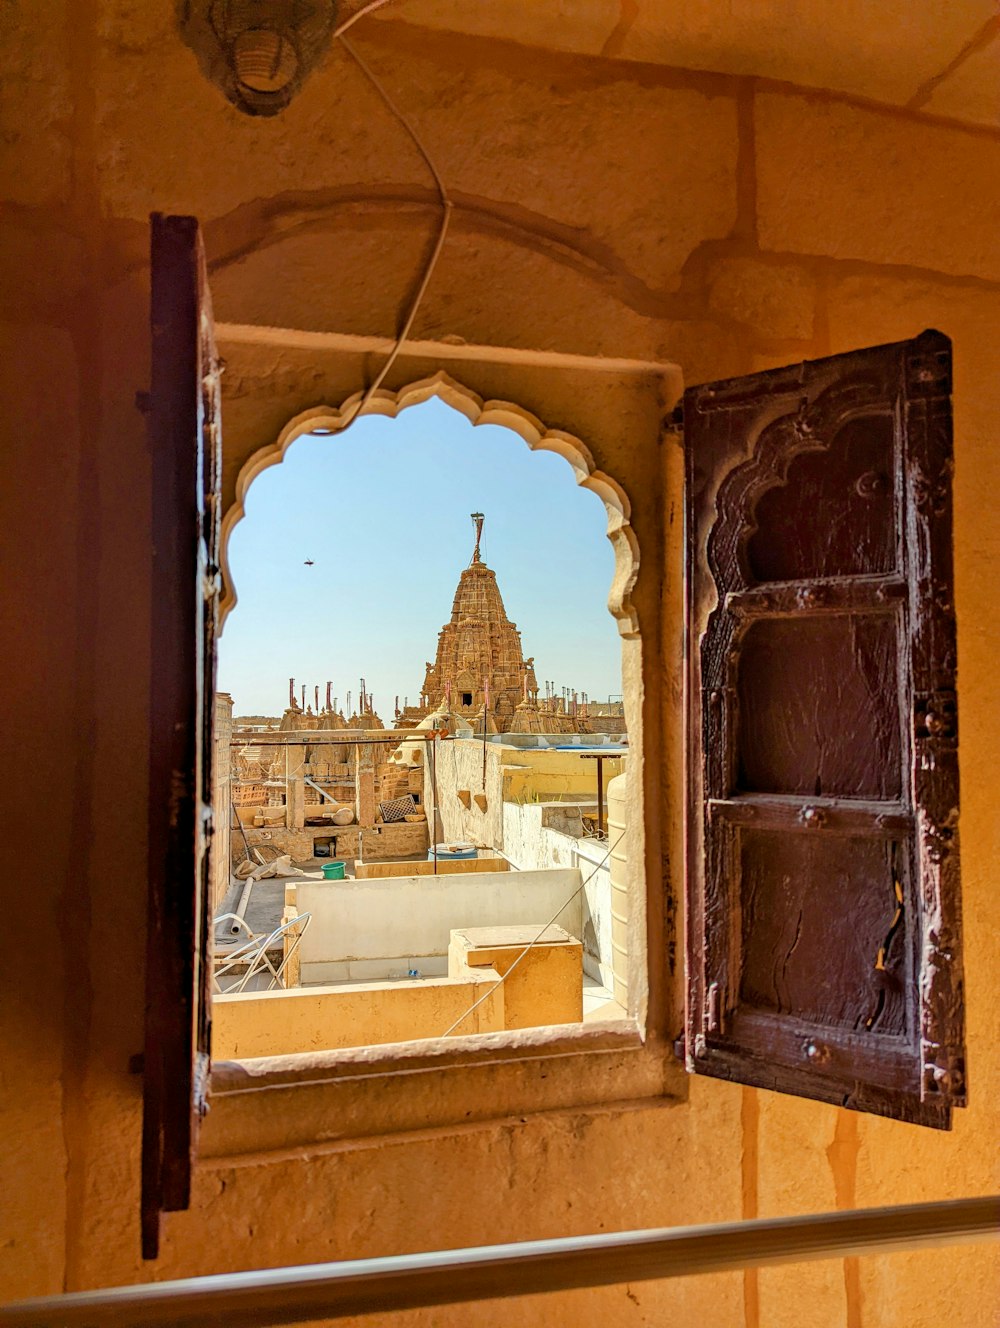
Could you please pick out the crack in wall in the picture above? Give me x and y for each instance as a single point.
(619, 33)
(842, 1155)
(978, 42)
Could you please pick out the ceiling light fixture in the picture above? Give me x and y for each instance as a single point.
(257, 52)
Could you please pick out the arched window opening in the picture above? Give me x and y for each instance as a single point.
(427, 828)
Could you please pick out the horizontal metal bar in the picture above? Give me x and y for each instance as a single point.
(381, 1286)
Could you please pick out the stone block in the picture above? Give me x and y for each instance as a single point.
(324, 1017)
(35, 105)
(956, 1285)
(528, 173)
(855, 183)
(818, 1285)
(42, 265)
(885, 60)
(544, 986)
(775, 300)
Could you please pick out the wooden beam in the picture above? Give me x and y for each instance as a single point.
(382, 1286)
(346, 737)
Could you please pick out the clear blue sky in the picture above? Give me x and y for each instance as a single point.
(383, 512)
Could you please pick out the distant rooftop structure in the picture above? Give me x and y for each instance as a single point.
(479, 678)
(480, 669)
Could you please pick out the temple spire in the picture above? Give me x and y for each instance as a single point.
(477, 521)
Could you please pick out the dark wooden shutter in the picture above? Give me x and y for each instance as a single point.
(186, 461)
(824, 943)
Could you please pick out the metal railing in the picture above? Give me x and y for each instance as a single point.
(381, 1286)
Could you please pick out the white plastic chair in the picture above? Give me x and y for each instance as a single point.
(254, 953)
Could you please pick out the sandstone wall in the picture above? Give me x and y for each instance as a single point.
(633, 211)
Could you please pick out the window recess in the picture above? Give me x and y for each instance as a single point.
(823, 947)
(585, 1063)
(824, 950)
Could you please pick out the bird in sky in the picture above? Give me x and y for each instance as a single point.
(308, 563)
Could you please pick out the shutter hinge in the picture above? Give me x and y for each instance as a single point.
(713, 1009)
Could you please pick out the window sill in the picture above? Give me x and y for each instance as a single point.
(326, 1100)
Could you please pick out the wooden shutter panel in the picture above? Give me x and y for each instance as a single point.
(824, 947)
(185, 436)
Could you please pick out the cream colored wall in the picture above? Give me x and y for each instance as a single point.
(533, 841)
(366, 929)
(549, 774)
(511, 775)
(601, 209)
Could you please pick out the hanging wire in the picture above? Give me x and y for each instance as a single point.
(446, 208)
(531, 944)
(446, 211)
(341, 28)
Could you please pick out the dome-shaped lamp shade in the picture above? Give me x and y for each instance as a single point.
(258, 52)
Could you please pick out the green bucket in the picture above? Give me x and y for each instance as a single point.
(333, 871)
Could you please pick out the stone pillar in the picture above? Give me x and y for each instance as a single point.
(364, 785)
(295, 789)
(221, 797)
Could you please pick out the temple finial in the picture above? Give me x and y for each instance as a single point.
(477, 521)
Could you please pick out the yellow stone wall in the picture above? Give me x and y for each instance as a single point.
(471, 807)
(627, 210)
(370, 871)
(533, 776)
(542, 986)
(275, 1023)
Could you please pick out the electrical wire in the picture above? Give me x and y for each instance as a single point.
(531, 944)
(341, 28)
(446, 210)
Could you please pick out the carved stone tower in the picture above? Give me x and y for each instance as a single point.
(479, 652)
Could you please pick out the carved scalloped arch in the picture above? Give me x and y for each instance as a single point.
(792, 435)
(477, 411)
